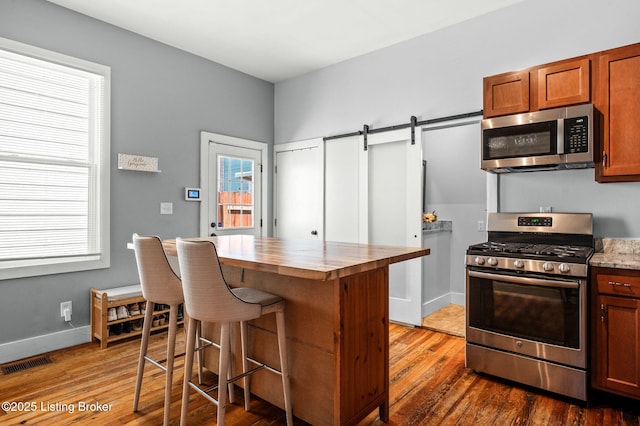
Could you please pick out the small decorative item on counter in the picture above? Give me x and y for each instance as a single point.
(429, 217)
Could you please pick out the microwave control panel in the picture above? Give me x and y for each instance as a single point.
(576, 134)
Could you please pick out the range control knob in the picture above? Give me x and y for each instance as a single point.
(564, 268)
(518, 263)
(547, 266)
(492, 261)
(479, 260)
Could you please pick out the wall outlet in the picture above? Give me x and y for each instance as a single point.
(545, 209)
(65, 310)
(481, 226)
(166, 207)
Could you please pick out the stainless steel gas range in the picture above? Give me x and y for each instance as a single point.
(526, 300)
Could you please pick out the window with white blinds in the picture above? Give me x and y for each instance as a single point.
(54, 173)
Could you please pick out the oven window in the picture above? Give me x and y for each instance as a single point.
(520, 141)
(542, 314)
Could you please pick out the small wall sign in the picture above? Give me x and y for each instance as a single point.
(138, 163)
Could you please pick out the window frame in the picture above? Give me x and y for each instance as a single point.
(241, 204)
(99, 195)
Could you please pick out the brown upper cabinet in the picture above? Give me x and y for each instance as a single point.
(506, 93)
(552, 85)
(563, 83)
(610, 79)
(617, 97)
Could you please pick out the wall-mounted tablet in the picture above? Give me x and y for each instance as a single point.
(192, 194)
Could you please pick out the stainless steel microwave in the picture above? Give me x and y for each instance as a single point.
(559, 138)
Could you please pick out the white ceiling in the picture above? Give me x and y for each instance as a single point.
(278, 39)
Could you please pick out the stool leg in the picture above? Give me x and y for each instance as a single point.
(225, 349)
(284, 367)
(188, 368)
(245, 365)
(144, 344)
(171, 351)
(199, 353)
(230, 385)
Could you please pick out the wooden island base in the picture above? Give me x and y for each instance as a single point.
(337, 343)
(337, 323)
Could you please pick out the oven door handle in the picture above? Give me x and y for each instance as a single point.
(524, 280)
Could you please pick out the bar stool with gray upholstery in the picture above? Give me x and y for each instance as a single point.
(208, 298)
(160, 285)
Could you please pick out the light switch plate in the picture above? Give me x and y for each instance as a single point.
(166, 208)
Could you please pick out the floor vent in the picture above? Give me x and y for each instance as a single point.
(24, 365)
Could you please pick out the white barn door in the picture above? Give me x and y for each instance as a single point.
(375, 196)
(394, 175)
(345, 191)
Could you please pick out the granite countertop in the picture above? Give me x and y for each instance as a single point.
(616, 253)
(437, 226)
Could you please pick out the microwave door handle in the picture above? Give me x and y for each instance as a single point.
(560, 137)
(524, 280)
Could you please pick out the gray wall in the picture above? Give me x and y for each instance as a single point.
(440, 74)
(160, 101)
(456, 189)
(615, 206)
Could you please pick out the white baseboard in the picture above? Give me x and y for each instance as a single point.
(19, 349)
(433, 305)
(458, 299)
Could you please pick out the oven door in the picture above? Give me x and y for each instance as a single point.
(529, 315)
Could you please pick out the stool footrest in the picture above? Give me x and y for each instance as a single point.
(158, 363)
(207, 343)
(246, 373)
(205, 392)
(263, 365)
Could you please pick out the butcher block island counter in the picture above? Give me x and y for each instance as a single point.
(337, 321)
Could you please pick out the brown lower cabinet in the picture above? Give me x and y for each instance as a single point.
(615, 359)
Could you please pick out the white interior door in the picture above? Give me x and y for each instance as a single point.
(232, 185)
(299, 190)
(394, 174)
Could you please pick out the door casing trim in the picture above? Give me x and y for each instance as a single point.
(208, 137)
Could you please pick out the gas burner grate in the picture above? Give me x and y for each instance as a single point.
(531, 250)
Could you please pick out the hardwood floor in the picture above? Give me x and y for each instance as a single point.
(450, 320)
(429, 386)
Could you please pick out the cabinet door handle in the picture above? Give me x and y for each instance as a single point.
(617, 284)
(604, 159)
(602, 313)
